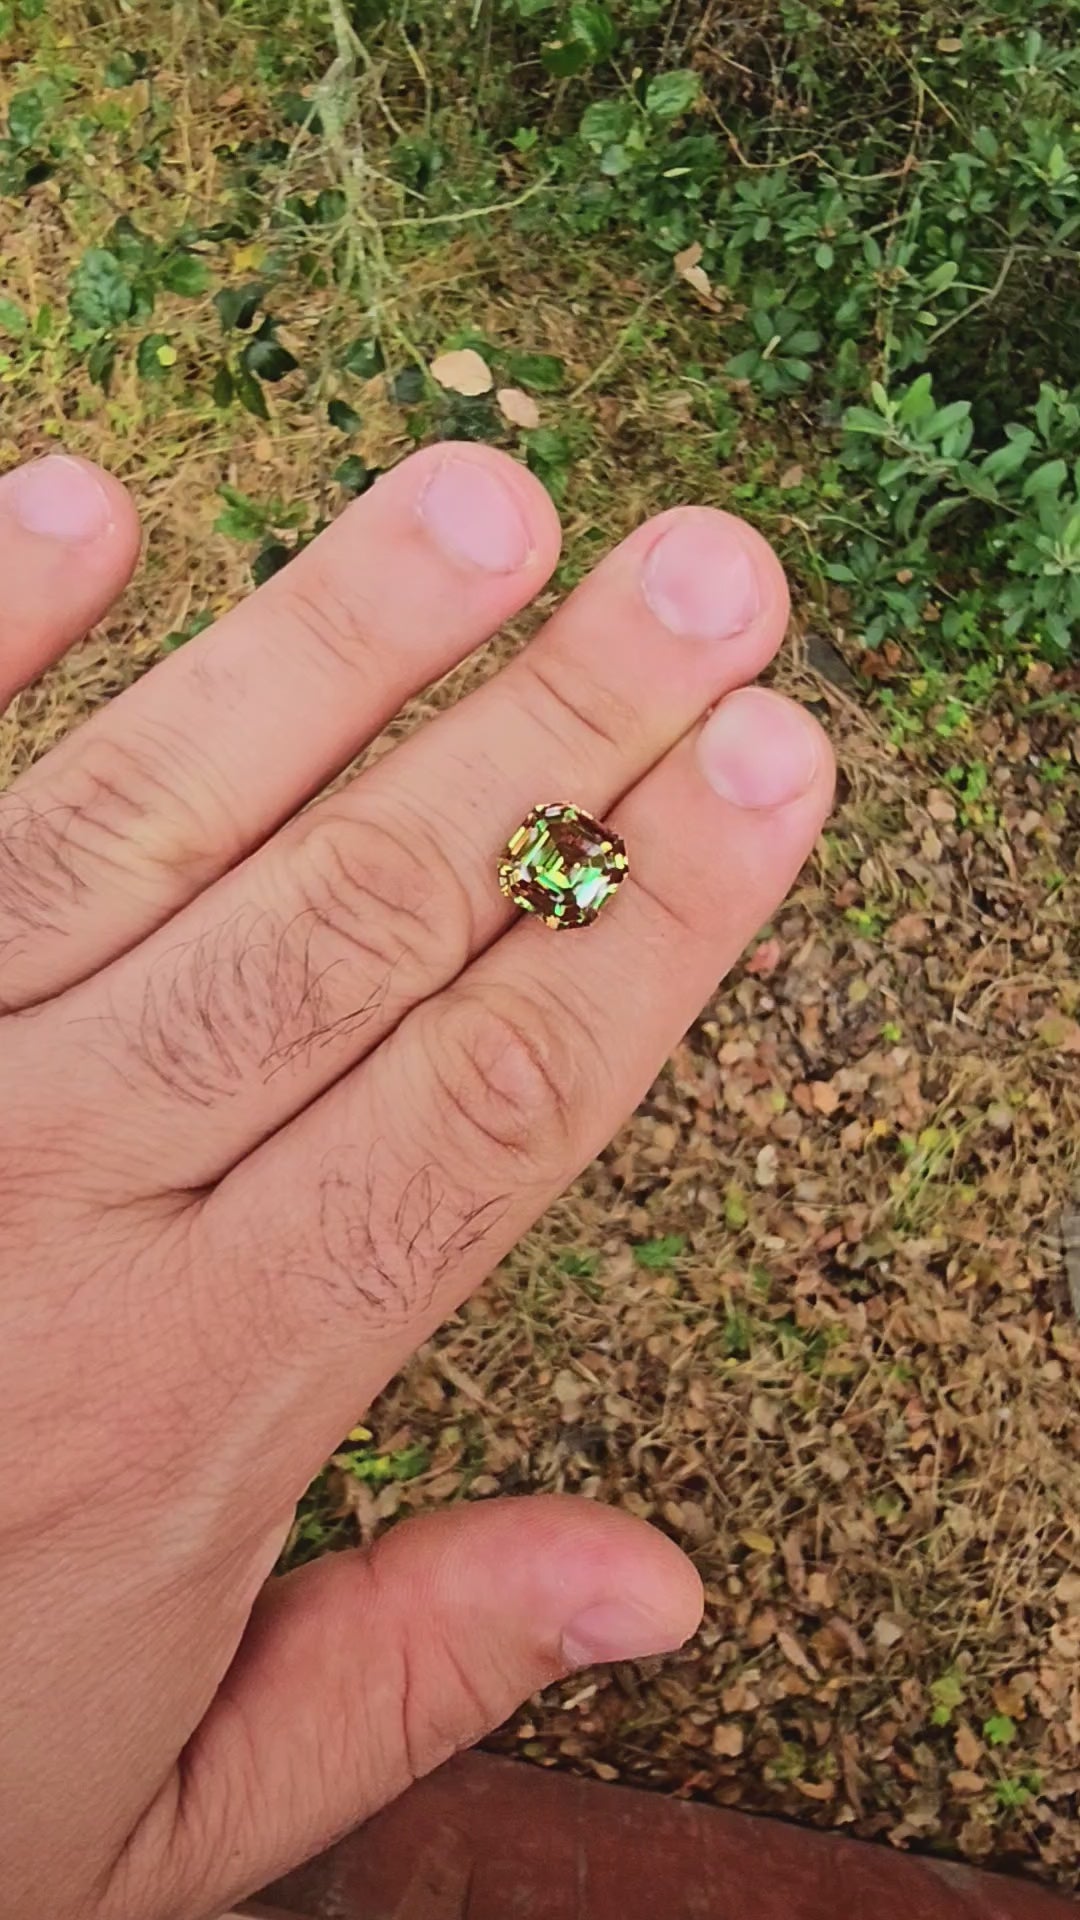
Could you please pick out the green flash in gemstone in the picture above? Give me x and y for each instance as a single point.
(563, 865)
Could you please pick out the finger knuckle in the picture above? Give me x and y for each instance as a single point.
(504, 1076)
(388, 892)
(574, 702)
(446, 1696)
(140, 810)
(311, 602)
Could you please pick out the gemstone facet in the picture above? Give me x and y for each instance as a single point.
(563, 865)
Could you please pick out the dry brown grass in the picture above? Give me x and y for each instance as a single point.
(852, 1394)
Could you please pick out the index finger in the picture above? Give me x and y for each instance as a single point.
(197, 763)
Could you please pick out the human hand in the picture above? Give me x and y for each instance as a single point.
(278, 1092)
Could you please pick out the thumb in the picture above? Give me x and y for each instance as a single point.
(365, 1670)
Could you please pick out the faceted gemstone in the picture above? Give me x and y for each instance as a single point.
(563, 865)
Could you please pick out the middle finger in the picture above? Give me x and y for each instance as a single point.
(285, 974)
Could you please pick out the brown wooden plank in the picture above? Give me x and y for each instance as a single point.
(488, 1839)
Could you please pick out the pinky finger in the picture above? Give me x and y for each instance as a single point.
(69, 539)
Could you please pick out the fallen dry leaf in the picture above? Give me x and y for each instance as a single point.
(791, 477)
(728, 1740)
(966, 1782)
(758, 1543)
(761, 1629)
(1068, 1590)
(887, 1631)
(824, 1096)
(689, 257)
(765, 1416)
(765, 958)
(823, 1790)
(687, 267)
(462, 371)
(969, 1748)
(792, 1651)
(519, 408)
(1060, 1033)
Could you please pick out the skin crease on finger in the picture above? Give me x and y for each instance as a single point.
(175, 1366)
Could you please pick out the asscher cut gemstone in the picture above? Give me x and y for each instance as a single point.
(563, 865)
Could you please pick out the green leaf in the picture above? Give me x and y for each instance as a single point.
(861, 420)
(269, 560)
(547, 452)
(543, 372)
(120, 69)
(249, 392)
(364, 358)
(941, 278)
(824, 256)
(594, 27)
(13, 319)
(672, 94)
(224, 386)
(918, 401)
(407, 387)
(563, 58)
(803, 340)
(242, 517)
(26, 117)
(133, 248)
(378, 1468)
(1007, 459)
(589, 36)
(237, 306)
(615, 160)
(266, 357)
(657, 1255)
(947, 1694)
(605, 121)
(179, 636)
(331, 206)
(1046, 479)
(343, 417)
(100, 362)
(943, 418)
(353, 476)
(744, 365)
(577, 1265)
(999, 1730)
(154, 357)
(101, 295)
(185, 273)
(736, 1213)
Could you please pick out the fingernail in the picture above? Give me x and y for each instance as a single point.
(758, 750)
(59, 498)
(474, 517)
(616, 1630)
(699, 579)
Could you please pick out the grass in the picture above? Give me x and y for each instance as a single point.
(808, 1313)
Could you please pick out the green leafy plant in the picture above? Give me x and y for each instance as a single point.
(657, 1256)
(999, 1730)
(777, 362)
(946, 1695)
(1017, 1791)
